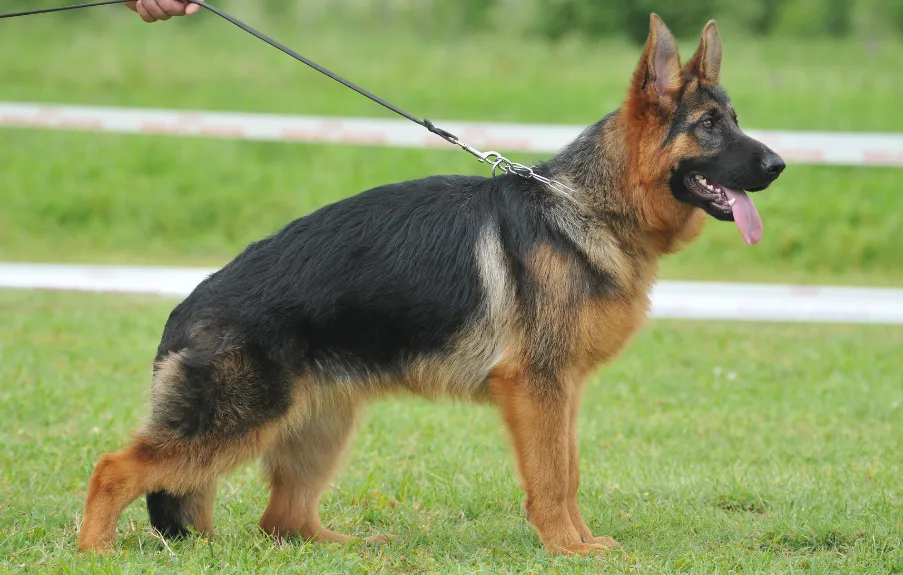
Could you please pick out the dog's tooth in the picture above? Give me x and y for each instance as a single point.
(710, 187)
(731, 202)
(699, 177)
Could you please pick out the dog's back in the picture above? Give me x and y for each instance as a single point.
(414, 286)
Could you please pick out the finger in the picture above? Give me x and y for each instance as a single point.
(131, 6)
(142, 11)
(156, 11)
(193, 8)
(173, 7)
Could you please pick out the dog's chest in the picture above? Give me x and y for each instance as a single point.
(607, 324)
(605, 327)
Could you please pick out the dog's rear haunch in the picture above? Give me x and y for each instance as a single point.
(498, 290)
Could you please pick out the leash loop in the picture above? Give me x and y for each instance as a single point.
(495, 159)
(444, 134)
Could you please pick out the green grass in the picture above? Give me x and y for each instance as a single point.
(128, 199)
(707, 448)
(107, 198)
(113, 58)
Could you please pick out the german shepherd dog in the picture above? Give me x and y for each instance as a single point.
(498, 289)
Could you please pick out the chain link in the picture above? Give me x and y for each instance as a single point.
(506, 166)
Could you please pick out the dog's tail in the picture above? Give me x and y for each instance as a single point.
(207, 401)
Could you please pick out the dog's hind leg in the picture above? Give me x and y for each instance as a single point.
(118, 479)
(180, 474)
(299, 466)
(210, 413)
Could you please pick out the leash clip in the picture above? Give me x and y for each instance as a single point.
(498, 161)
(506, 166)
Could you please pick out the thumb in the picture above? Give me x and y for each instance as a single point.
(192, 9)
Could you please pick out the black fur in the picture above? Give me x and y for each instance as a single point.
(729, 157)
(356, 288)
(165, 511)
(216, 397)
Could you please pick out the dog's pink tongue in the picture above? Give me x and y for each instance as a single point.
(745, 215)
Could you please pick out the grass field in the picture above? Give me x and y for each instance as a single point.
(107, 198)
(708, 448)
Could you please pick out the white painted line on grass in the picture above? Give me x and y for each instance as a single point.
(670, 299)
(837, 148)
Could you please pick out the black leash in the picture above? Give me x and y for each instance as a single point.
(498, 161)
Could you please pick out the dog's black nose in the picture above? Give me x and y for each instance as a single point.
(773, 165)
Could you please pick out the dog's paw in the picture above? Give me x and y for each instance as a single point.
(100, 547)
(597, 546)
(603, 542)
(382, 538)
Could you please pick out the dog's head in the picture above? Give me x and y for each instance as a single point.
(691, 144)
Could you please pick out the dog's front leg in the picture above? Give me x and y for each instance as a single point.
(574, 479)
(538, 412)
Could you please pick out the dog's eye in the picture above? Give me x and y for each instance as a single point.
(708, 124)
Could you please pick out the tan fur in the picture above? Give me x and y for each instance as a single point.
(299, 466)
(531, 358)
(574, 481)
(168, 372)
(462, 370)
(153, 463)
(539, 421)
(200, 508)
(605, 328)
(644, 123)
(542, 415)
(706, 62)
(550, 336)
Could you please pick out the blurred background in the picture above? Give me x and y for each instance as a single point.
(825, 65)
(554, 19)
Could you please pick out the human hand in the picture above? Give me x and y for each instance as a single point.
(153, 10)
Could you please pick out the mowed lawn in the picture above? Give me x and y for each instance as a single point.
(708, 447)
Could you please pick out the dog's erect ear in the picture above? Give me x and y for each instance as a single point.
(706, 62)
(658, 74)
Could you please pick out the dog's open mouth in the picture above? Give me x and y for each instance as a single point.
(724, 201)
